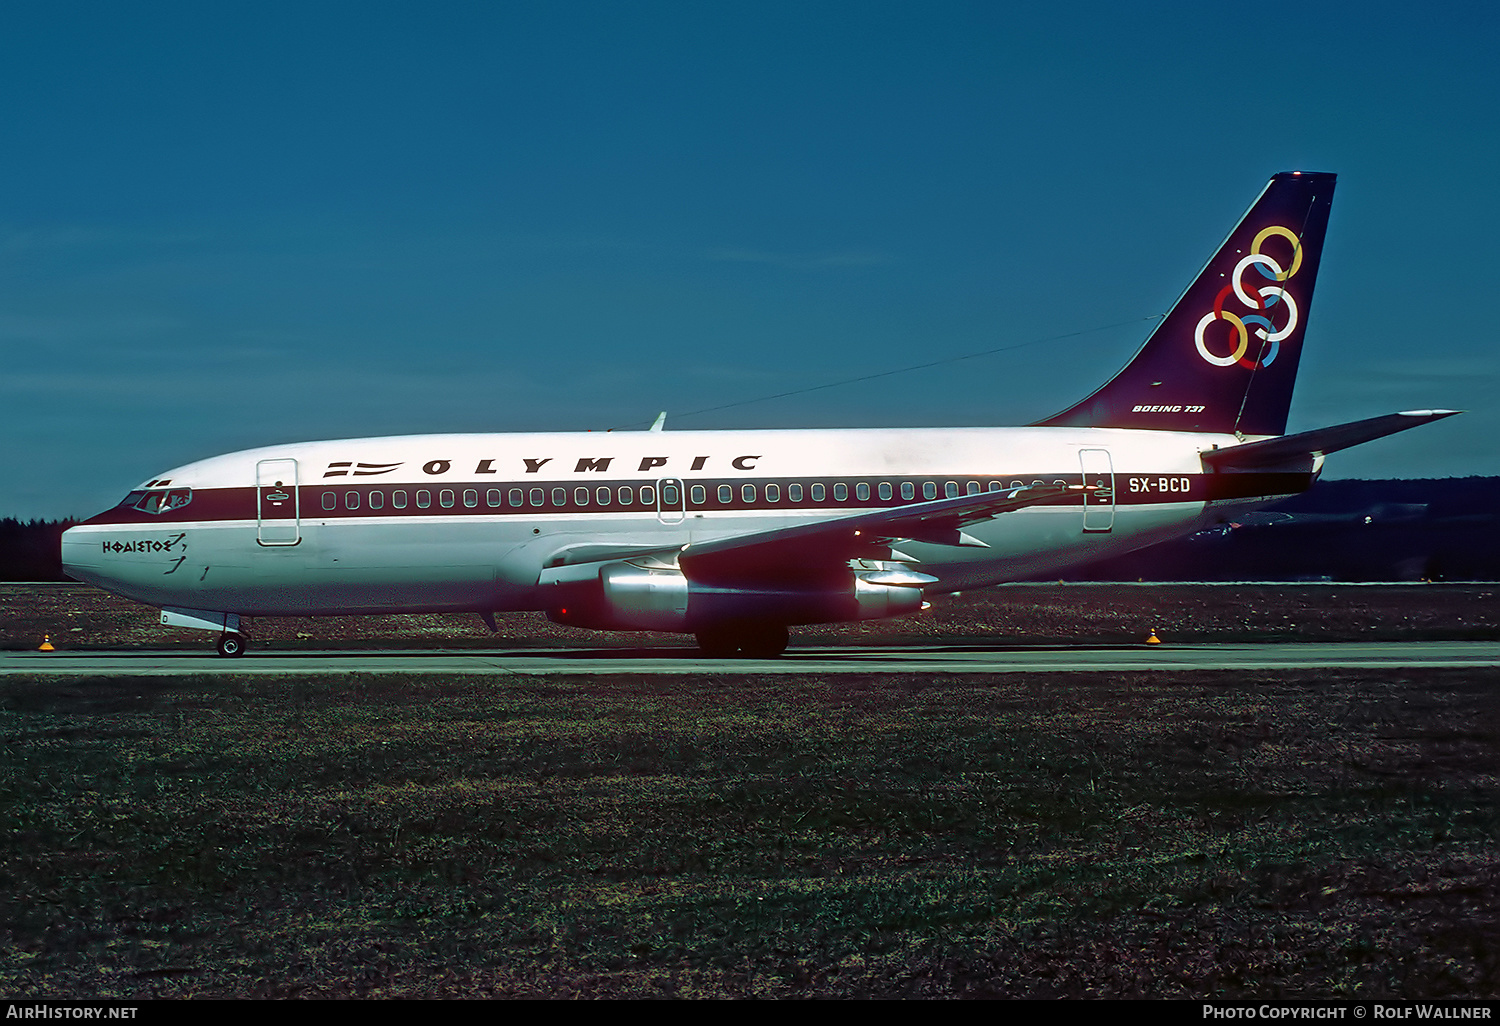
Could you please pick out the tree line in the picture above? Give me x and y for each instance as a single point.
(32, 550)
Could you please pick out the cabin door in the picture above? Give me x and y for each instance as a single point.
(278, 511)
(1099, 505)
(671, 501)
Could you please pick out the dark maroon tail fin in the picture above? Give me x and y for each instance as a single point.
(1225, 358)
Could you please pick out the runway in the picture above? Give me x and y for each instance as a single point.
(687, 661)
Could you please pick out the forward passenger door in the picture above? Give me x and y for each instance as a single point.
(278, 510)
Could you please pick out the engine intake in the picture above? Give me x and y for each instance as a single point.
(628, 596)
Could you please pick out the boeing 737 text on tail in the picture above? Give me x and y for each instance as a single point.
(734, 535)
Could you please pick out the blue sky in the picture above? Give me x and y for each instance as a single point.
(226, 225)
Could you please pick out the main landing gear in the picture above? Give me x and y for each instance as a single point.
(232, 643)
(748, 640)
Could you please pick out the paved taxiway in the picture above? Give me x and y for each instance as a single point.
(905, 659)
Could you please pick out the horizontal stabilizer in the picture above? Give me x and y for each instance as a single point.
(1275, 451)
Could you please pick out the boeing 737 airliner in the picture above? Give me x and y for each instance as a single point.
(734, 535)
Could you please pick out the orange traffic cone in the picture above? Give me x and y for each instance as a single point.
(46, 645)
(1152, 639)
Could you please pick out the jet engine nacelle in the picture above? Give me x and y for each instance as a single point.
(628, 597)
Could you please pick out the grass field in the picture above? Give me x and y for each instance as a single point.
(77, 616)
(1187, 835)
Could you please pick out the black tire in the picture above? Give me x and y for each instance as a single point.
(717, 642)
(763, 640)
(231, 645)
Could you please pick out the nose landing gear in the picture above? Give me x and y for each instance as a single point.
(231, 642)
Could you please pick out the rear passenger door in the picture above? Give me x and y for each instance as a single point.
(1099, 505)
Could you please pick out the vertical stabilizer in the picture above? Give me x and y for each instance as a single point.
(1225, 358)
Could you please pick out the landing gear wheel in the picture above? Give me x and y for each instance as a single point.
(717, 642)
(231, 644)
(748, 640)
(763, 640)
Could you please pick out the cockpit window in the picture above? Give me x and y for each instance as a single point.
(158, 501)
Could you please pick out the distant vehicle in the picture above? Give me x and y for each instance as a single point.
(734, 535)
(1380, 513)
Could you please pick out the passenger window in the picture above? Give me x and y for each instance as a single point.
(794, 492)
(537, 496)
(1018, 484)
(885, 489)
(648, 495)
(492, 498)
(471, 497)
(398, 499)
(996, 486)
(446, 498)
(601, 496)
(580, 496)
(670, 496)
(908, 490)
(726, 493)
(973, 488)
(747, 492)
(929, 490)
(699, 494)
(627, 495)
(818, 493)
(841, 492)
(773, 493)
(330, 500)
(351, 500)
(377, 500)
(862, 491)
(424, 498)
(516, 497)
(559, 496)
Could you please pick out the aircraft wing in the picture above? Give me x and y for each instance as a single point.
(810, 550)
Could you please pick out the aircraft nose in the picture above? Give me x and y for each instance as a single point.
(81, 555)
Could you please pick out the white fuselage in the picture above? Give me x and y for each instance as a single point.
(470, 522)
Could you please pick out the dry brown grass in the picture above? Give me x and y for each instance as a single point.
(78, 616)
(1186, 835)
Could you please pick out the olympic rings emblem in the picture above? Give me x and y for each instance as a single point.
(1265, 301)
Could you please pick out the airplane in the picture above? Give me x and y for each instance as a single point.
(732, 536)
